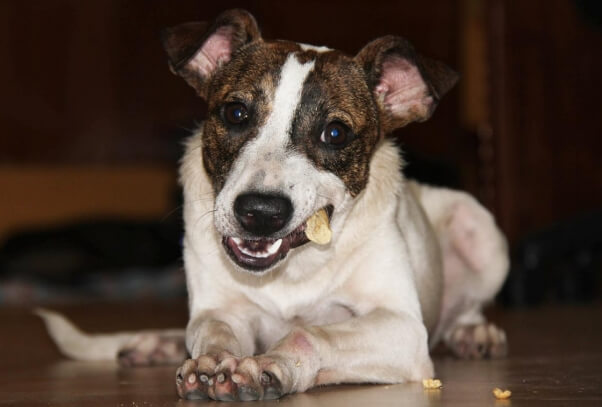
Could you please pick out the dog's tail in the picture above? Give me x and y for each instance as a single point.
(132, 348)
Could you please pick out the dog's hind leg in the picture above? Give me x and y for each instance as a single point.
(143, 348)
(475, 265)
(154, 348)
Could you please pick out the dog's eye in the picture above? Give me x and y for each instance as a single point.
(236, 113)
(335, 134)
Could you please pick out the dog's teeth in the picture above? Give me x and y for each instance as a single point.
(274, 247)
(246, 251)
(269, 251)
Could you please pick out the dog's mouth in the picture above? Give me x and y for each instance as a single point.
(261, 254)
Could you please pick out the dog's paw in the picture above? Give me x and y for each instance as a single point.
(153, 349)
(230, 379)
(260, 378)
(196, 377)
(479, 341)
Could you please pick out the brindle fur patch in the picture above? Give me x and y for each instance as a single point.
(336, 90)
(251, 77)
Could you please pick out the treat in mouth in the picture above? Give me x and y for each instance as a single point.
(262, 253)
(318, 228)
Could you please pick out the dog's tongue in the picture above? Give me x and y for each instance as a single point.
(317, 228)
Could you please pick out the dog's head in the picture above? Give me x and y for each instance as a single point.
(291, 128)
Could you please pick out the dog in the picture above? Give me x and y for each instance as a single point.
(293, 130)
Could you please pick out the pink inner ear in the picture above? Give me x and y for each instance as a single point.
(402, 89)
(216, 50)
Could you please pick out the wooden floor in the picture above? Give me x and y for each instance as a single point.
(556, 360)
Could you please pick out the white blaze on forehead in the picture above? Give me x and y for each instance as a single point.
(253, 170)
(309, 47)
(286, 99)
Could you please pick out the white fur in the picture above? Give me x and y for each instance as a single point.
(383, 267)
(406, 261)
(318, 285)
(309, 47)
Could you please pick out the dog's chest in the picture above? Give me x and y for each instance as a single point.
(272, 327)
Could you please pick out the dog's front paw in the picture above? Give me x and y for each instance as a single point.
(231, 379)
(196, 377)
(260, 378)
(479, 341)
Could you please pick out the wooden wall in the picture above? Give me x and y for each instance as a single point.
(546, 64)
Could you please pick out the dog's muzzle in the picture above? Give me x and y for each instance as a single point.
(262, 216)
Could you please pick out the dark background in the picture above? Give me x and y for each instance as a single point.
(92, 125)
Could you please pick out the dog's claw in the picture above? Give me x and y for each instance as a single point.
(265, 378)
(229, 380)
(190, 383)
(224, 388)
(272, 386)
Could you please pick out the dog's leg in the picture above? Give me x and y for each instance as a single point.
(477, 339)
(475, 259)
(153, 348)
(159, 347)
(379, 347)
(478, 251)
(214, 347)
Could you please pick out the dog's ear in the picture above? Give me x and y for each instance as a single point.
(197, 49)
(407, 86)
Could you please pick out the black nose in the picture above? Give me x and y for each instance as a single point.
(262, 214)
